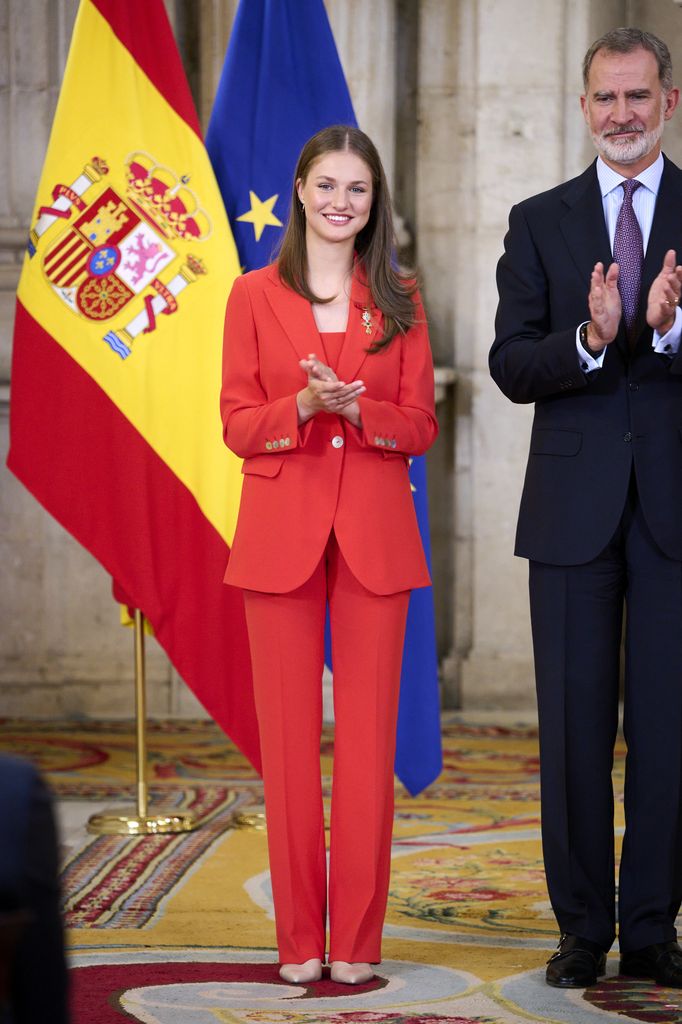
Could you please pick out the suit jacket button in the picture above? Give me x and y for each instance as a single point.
(268, 445)
(337, 441)
(275, 444)
(394, 443)
(627, 437)
(287, 441)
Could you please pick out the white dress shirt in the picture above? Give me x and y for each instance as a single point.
(644, 204)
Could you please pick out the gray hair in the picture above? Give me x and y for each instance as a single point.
(625, 40)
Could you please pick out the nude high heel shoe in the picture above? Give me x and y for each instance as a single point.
(351, 974)
(301, 974)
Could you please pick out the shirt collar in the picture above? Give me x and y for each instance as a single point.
(610, 179)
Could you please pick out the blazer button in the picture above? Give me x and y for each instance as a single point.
(268, 445)
(627, 437)
(394, 443)
(337, 441)
(634, 386)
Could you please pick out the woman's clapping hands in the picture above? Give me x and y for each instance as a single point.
(326, 393)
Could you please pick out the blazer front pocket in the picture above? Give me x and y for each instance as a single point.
(555, 442)
(262, 465)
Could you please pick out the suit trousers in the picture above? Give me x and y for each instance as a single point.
(286, 638)
(576, 614)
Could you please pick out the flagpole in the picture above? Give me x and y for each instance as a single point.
(136, 821)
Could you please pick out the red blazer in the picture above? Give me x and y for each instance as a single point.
(300, 482)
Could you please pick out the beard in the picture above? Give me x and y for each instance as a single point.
(616, 147)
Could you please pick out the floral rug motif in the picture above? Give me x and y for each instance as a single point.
(179, 929)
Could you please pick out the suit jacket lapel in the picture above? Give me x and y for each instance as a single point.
(363, 328)
(583, 226)
(666, 233)
(295, 316)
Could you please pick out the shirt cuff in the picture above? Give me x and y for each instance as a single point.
(669, 344)
(588, 361)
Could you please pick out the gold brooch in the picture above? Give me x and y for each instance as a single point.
(367, 320)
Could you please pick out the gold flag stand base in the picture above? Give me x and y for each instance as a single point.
(255, 821)
(128, 822)
(137, 821)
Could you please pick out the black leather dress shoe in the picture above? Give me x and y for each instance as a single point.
(577, 963)
(662, 962)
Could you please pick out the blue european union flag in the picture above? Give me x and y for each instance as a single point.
(282, 82)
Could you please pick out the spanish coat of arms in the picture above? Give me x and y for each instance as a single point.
(118, 258)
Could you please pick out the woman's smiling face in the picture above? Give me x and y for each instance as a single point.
(337, 194)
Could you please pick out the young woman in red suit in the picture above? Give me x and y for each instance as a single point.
(327, 391)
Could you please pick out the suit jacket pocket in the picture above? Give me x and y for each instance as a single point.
(555, 442)
(262, 465)
(392, 456)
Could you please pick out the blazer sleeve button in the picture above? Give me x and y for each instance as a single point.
(268, 445)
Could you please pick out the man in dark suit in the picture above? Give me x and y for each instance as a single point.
(33, 978)
(588, 328)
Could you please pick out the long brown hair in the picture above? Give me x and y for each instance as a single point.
(391, 291)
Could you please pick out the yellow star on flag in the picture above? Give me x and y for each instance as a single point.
(261, 215)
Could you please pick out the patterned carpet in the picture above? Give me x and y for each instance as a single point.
(179, 929)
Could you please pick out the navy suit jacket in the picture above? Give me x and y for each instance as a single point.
(38, 989)
(589, 430)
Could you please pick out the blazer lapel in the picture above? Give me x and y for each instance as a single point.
(666, 233)
(583, 226)
(294, 314)
(363, 328)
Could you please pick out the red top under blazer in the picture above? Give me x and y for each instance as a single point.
(300, 482)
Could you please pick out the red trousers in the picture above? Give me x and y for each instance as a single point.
(286, 637)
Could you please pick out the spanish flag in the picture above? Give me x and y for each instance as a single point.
(114, 418)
